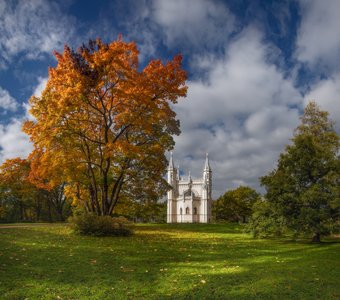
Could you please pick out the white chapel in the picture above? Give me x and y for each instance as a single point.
(189, 201)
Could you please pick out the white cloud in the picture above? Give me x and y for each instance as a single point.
(198, 23)
(27, 116)
(192, 25)
(32, 28)
(42, 81)
(243, 115)
(327, 94)
(318, 45)
(13, 142)
(7, 102)
(318, 41)
(137, 24)
(40, 87)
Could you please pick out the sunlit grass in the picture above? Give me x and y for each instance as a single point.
(164, 262)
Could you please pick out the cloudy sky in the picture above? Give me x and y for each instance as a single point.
(253, 65)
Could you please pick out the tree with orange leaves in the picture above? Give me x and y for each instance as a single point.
(16, 188)
(23, 198)
(103, 125)
(49, 180)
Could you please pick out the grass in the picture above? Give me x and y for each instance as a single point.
(187, 261)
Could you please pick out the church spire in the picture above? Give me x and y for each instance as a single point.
(207, 165)
(189, 177)
(171, 162)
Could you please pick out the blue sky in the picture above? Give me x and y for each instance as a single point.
(253, 65)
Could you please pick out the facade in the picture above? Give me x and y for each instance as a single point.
(189, 201)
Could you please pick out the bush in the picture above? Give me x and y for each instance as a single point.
(265, 222)
(91, 224)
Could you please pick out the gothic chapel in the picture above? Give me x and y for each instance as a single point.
(189, 201)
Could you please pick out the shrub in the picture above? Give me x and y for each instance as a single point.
(265, 222)
(91, 224)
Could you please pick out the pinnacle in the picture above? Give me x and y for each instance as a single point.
(207, 165)
(171, 162)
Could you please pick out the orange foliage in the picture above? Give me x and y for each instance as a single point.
(102, 125)
(14, 184)
(14, 174)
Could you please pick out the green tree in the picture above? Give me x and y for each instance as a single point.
(235, 205)
(303, 191)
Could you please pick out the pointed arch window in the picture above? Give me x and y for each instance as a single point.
(187, 211)
(195, 210)
(180, 211)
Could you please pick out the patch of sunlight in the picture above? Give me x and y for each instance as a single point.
(205, 269)
(268, 259)
(140, 232)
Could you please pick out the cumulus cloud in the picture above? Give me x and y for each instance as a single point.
(42, 81)
(243, 114)
(192, 25)
(318, 45)
(198, 23)
(327, 94)
(7, 102)
(135, 18)
(40, 87)
(32, 28)
(13, 142)
(318, 42)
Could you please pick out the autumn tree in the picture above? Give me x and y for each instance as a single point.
(50, 181)
(21, 199)
(303, 192)
(235, 205)
(106, 124)
(17, 191)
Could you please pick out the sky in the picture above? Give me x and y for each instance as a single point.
(252, 67)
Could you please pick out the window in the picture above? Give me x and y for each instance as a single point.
(180, 210)
(187, 211)
(195, 210)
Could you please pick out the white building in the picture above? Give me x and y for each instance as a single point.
(189, 201)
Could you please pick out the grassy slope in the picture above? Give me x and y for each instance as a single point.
(164, 262)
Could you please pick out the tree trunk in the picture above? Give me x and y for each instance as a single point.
(59, 210)
(37, 209)
(316, 238)
(49, 211)
(21, 212)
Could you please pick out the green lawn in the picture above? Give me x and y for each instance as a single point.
(164, 262)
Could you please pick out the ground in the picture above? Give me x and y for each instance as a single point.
(183, 261)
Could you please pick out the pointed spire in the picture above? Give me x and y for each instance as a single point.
(189, 177)
(178, 173)
(171, 162)
(207, 165)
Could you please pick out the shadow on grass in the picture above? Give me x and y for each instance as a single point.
(192, 227)
(156, 264)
